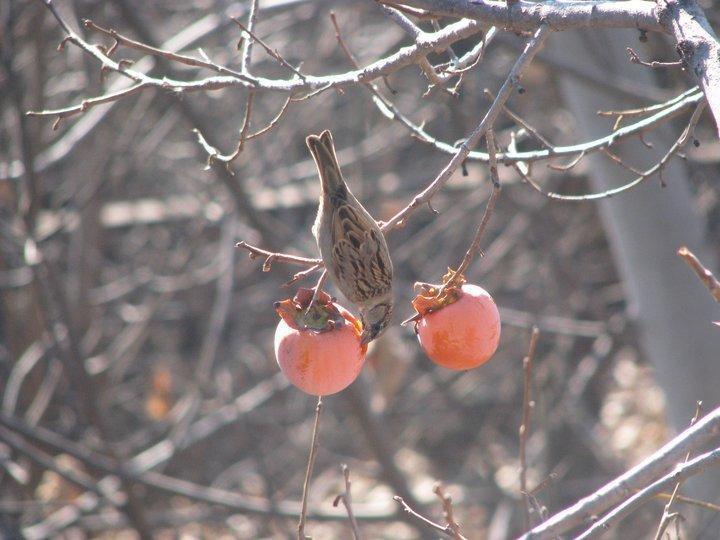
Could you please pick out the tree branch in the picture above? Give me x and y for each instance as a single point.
(528, 16)
(697, 46)
(636, 478)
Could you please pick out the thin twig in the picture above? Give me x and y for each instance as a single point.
(688, 500)
(88, 103)
(511, 82)
(272, 52)
(155, 51)
(213, 154)
(657, 168)
(668, 516)
(228, 78)
(271, 257)
(480, 232)
(640, 111)
(308, 472)
(174, 486)
(522, 123)
(248, 44)
(568, 166)
(422, 519)
(303, 274)
(346, 499)
(446, 502)
(616, 491)
(318, 287)
(705, 275)
(528, 405)
(617, 159)
(666, 113)
(635, 59)
(680, 473)
(274, 121)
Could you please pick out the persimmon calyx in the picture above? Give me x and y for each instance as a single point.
(433, 297)
(322, 316)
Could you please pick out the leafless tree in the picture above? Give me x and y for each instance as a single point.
(161, 143)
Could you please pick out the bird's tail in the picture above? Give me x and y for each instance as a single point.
(323, 152)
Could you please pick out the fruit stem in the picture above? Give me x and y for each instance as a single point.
(316, 290)
(308, 472)
(480, 232)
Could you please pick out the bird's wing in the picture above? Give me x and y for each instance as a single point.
(360, 258)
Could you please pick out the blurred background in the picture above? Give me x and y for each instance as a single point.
(117, 253)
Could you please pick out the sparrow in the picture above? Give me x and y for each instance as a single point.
(351, 243)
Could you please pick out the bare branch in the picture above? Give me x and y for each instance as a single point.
(529, 16)
(461, 153)
(446, 502)
(680, 473)
(489, 207)
(155, 51)
(644, 175)
(346, 499)
(697, 45)
(636, 478)
(446, 530)
(667, 515)
(271, 257)
(635, 59)
(703, 273)
(248, 44)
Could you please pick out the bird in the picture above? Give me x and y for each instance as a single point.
(351, 244)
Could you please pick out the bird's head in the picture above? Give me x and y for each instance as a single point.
(375, 319)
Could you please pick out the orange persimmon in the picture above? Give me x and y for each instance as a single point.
(318, 350)
(458, 327)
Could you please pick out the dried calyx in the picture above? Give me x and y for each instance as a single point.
(322, 316)
(434, 297)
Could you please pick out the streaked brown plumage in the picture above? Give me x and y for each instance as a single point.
(351, 243)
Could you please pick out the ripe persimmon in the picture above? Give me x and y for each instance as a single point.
(318, 350)
(458, 326)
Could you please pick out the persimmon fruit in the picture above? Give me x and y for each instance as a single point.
(319, 349)
(459, 326)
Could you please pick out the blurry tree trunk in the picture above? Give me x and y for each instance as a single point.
(646, 226)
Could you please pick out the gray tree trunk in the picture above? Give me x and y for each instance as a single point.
(646, 226)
